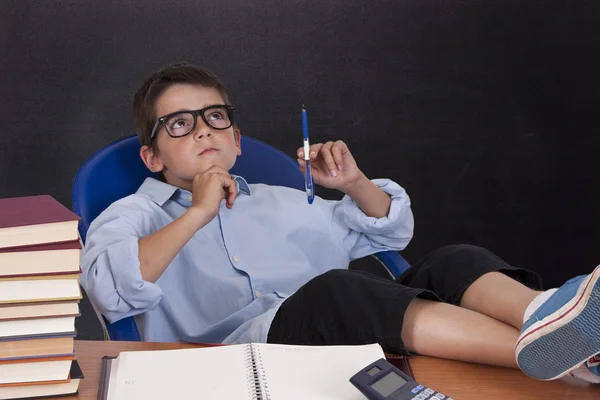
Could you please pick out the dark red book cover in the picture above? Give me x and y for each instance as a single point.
(72, 245)
(33, 210)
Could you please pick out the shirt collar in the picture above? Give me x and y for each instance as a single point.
(159, 192)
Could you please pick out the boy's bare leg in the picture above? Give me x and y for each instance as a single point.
(447, 331)
(500, 297)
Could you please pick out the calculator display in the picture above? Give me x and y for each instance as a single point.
(389, 384)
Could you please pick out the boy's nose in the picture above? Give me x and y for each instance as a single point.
(202, 129)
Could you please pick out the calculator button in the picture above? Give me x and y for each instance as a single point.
(415, 391)
(420, 387)
(440, 396)
(423, 396)
(435, 398)
(429, 391)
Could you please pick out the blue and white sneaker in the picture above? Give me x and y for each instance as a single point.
(564, 332)
(589, 371)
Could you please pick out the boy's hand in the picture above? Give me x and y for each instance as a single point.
(210, 187)
(158, 249)
(332, 165)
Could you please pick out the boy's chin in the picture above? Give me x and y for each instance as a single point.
(206, 166)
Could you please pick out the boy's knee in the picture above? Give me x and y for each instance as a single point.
(329, 279)
(330, 276)
(460, 251)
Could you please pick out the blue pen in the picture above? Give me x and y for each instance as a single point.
(309, 183)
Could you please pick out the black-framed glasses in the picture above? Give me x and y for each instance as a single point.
(182, 123)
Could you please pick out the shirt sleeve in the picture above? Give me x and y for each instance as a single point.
(110, 266)
(362, 235)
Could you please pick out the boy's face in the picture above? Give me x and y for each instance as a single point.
(182, 158)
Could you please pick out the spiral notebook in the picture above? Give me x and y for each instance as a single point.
(247, 371)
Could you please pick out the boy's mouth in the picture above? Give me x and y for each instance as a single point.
(207, 151)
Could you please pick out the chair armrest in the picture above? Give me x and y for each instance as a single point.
(393, 262)
(123, 330)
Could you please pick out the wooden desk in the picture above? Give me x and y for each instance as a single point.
(462, 381)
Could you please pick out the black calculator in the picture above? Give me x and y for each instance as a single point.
(382, 381)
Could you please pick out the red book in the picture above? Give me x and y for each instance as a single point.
(41, 259)
(35, 220)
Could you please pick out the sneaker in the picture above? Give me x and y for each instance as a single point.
(589, 371)
(564, 332)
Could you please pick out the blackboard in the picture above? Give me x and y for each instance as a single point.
(485, 111)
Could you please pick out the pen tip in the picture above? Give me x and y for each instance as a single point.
(303, 107)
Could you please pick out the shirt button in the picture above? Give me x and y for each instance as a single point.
(257, 293)
(235, 258)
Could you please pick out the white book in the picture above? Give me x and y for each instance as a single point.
(34, 234)
(37, 262)
(37, 327)
(247, 371)
(42, 371)
(29, 291)
(39, 391)
(41, 310)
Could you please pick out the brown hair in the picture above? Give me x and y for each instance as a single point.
(144, 100)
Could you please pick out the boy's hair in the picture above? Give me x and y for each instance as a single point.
(144, 101)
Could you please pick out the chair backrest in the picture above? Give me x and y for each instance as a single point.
(116, 171)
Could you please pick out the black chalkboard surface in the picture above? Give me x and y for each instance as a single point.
(485, 111)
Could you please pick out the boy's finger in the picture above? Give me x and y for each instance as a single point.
(328, 158)
(314, 150)
(231, 199)
(301, 162)
(300, 152)
(230, 188)
(338, 158)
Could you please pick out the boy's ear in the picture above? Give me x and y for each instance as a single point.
(238, 141)
(153, 163)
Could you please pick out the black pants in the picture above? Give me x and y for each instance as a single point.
(343, 307)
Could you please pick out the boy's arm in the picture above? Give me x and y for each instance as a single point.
(157, 250)
(373, 201)
(110, 269)
(361, 234)
(375, 216)
(334, 167)
(124, 248)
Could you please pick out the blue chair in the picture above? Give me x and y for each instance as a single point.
(116, 171)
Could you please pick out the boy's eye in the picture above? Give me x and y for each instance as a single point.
(215, 115)
(180, 122)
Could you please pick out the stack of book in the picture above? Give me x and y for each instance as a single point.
(39, 298)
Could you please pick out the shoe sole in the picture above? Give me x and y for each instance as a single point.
(561, 342)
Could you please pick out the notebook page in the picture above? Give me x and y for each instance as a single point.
(204, 373)
(315, 372)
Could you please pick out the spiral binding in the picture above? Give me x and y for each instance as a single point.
(258, 389)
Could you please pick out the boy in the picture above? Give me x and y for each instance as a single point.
(203, 256)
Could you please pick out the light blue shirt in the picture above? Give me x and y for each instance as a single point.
(229, 280)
